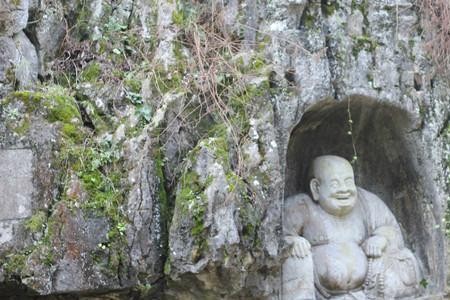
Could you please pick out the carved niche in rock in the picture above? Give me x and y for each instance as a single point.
(395, 161)
(343, 242)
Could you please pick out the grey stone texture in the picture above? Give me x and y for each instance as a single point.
(74, 268)
(146, 232)
(18, 57)
(19, 64)
(350, 78)
(47, 27)
(27, 65)
(17, 187)
(13, 16)
(8, 57)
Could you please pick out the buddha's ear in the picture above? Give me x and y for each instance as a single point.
(314, 186)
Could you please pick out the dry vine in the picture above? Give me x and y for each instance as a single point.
(212, 74)
(436, 22)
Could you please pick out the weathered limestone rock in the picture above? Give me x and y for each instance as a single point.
(47, 27)
(16, 191)
(123, 11)
(19, 63)
(102, 97)
(27, 65)
(146, 205)
(17, 188)
(74, 266)
(199, 213)
(144, 12)
(355, 24)
(216, 226)
(8, 55)
(164, 54)
(13, 16)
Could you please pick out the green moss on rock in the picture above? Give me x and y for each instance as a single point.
(363, 42)
(57, 105)
(330, 7)
(14, 263)
(37, 222)
(91, 73)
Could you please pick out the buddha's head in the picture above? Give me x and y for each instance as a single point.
(333, 184)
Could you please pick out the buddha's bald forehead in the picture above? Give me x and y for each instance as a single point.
(326, 165)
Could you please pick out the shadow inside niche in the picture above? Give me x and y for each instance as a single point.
(13, 289)
(388, 156)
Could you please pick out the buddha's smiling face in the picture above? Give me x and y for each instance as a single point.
(333, 185)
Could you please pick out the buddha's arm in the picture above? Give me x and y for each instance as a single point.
(392, 234)
(382, 223)
(295, 213)
(399, 265)
(298, 267)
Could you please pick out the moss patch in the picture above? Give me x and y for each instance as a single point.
(363, 42)
(37, 222)
(191, 196)
(362, 6)
(330, 8)
(91, 73)
(56, 104)
(96, 164)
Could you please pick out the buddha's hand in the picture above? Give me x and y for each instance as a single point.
(298, 246)
(375, 246)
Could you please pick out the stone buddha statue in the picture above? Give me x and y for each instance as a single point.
(343, 242)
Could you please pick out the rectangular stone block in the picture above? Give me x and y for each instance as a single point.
(7, 229)
(16, 186)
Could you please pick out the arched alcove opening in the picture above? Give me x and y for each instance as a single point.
(388, 164)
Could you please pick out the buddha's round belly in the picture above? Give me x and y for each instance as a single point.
(340, 266)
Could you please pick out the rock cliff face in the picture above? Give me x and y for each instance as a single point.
(146, 147)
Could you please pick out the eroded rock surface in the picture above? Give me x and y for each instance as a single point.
(161, 139)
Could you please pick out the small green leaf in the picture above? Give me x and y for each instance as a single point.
(145, 113)
(135, 98)
(424, 283)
